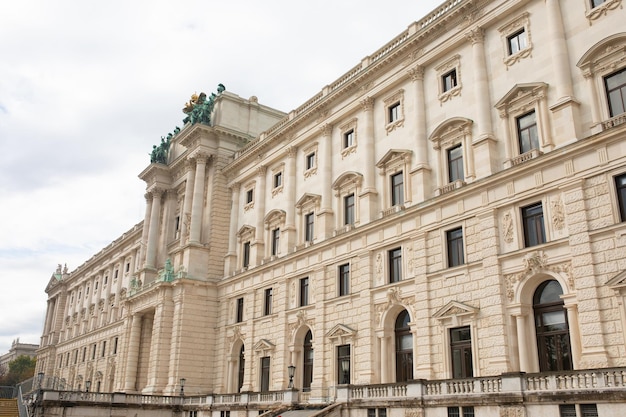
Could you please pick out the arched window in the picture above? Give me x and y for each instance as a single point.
(240, 373)
(307, 373)
(553, 341)
(404, 348)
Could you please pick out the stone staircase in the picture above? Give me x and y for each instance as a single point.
(8, 407)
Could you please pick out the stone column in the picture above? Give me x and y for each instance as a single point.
(132, 356)
(153, 232)
(174, 374)
(324, 221)
(160, 346)
(145, 230)
(368, 197)
(574, 329)
(289, 234)
(186, 211)
(522, 341)
(565, 110)
(260, 213)
(195, 234)
(422, 170)
(483, 146)
(231, 257)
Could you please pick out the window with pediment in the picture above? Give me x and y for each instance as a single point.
(278, 179)
(274, 223)
(452, 141)
(347, 188)
(348, 138)
(245, 237)
(449, 76)
(525, 122)
(394, 111)
(310, 160)
(395, 167)
(604, 68)
(249, 196)
(516, 40)
(307, 208)
(596, 9)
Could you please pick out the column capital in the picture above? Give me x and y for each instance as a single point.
(476, 35)
(367, 103)
(199, 157)
(261, 170)
(156, 192)
(235, 186)
(416, 73)
(291, 151)
(326, 129)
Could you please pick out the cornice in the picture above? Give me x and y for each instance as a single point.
(396, 50)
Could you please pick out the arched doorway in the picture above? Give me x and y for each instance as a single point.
(404, 347)
(552, 329)
(307, 371)
(241, 368)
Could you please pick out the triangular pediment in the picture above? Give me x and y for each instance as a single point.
(618, 281)
(263, 345)
(519, 91)
(392, 155)
(55, 279)
(340, 331)
(308, 199)
(455, 309)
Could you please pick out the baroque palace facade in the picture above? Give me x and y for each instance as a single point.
(439, 232)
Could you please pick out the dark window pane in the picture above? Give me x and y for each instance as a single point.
(532, 218)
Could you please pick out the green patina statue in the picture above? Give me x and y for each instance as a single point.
(198, 110)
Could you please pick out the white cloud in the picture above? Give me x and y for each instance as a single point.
(86, 88)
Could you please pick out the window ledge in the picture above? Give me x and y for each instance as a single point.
(450, 187)
(392, 210)
(602, 10)
(525, 157)
(517, 57)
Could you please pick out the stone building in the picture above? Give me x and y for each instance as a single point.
(16, 350)
(438, 232)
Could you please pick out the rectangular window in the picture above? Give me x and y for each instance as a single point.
(115, 274)
(468, 411)
(532, 220)
(309, 223)
(127, 266)
(249, 196)
(527, 133)
(348, 209)
(461, 411)
(394, 112)
(225, 413)
(455, 164)
(517, 42)
(588, 410)
(343, 364)
(84, 355)
(454, 412)
(310, 160)
(246, 255)
(265, 374)
(620, 186)
(93, 351)
(104, 349)
(278, 179)
(348, 138)
(596, 3)
(449, 80)
(267, 302)
(395, 265)
(115, 342)
(615, 85)
(461, 352)
(397, 189)
(344, 279)
(567, 410)
(275, 241)
(454, 244)
(239, 317)
(376, 412)
(304, 291)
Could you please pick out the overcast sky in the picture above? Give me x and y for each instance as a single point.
(86, 89)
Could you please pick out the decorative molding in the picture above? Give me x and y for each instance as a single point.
(507, 227)
(558, 213)
(534, 263)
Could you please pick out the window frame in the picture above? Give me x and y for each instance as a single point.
(245, 254)
(278, 179)
(343, 279)
(309, 227)
(268, 295)
(451, 68)
(343, 376)
(455, 247)
(275, 241)
(394, 106)
(522, 150)
(397, 188)
(265, 372)
(249, 196)
(510, 30)
(464, 346)
(621, 88)
(349, 209)
(456, 165)
(239, 306)
(311, 160)
(303, 293)
(527, 217)
(394, 265)
(348, 145)
(620, 196)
